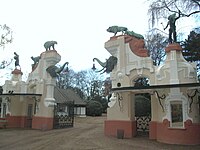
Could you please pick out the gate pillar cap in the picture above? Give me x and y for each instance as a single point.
(173, 47)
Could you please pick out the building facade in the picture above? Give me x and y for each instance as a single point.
(31, 104)
(174, 90)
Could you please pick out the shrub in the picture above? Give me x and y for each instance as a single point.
(94, 108)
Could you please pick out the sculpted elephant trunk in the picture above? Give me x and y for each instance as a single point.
(55, 71)
(109, 65)
(103, 64)
(59, 70)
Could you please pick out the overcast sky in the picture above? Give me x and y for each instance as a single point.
(79, 27)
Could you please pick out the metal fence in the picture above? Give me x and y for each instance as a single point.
(143, 123)
(64, 115)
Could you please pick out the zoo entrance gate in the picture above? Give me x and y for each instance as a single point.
(64, 115)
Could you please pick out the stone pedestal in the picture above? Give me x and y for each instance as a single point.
(49, 100)
(17, 75)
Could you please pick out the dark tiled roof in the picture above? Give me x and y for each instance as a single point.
(67, 95)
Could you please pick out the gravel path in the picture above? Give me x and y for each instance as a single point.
(87, 134)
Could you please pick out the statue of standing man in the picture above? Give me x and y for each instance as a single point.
(172, 27)
(16, 57)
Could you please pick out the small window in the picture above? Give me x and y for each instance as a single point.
(176, 114)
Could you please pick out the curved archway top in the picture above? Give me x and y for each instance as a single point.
(141, 73)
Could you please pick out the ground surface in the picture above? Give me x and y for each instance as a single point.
(87, 134)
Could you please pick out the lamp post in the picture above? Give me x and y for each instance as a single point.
(67, 68)
(93, 67)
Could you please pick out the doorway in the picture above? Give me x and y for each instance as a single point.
(142, 113)
(28, 123)
(142, 107)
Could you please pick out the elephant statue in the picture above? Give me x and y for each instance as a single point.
(108, 66)
(49, 44)
(54, 71)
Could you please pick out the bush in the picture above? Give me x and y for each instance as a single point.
(94, 108)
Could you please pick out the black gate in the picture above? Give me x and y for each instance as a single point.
(64, 115)
(143, 125)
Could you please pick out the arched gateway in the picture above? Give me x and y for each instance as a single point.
(175, 114)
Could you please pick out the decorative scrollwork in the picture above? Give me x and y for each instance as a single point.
(37, 100)
(8, 99)
(163, 96)
(191, 96)
(120, 98)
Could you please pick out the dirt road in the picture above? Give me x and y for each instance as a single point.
(87, 134)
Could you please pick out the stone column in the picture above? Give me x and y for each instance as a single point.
(120, 114)
(50, 58)
(45, 84)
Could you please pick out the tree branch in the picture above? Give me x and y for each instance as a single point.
(188, 15)
(167, 7)
(197, 2)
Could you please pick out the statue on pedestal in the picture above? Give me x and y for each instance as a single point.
(35, 60)
(49, 44)
(115, 29)
(16, 58)
(172, 27)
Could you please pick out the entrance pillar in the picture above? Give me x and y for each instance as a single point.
(43, 119)
(121, 115)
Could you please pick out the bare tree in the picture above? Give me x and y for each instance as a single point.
(5, 38)
(156, 43)
(6, 35)
(159, 9)
(65, 79)
(86, 82)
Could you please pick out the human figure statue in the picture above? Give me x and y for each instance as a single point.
(16, 57)
(172, 27)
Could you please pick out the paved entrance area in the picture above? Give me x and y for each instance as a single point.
(87, 134)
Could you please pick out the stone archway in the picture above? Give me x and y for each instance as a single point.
(142, 106)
